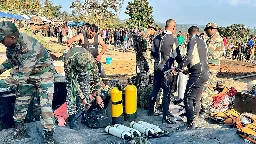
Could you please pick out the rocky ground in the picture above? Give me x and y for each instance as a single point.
(209, 134)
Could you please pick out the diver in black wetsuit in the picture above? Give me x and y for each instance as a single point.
(196, 61)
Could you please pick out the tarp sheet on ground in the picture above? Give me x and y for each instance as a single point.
(14, 16)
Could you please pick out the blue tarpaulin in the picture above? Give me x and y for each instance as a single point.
(9, 15)
(71, 23)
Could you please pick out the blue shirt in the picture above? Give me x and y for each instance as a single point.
(250, 43)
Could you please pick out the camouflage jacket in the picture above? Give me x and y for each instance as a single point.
(27, 57)
(215, 46)
(82, 73)
(140, 44)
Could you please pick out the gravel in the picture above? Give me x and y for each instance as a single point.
(208, 134)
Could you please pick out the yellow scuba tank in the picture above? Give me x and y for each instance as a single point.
(117, 106)
(130, 102)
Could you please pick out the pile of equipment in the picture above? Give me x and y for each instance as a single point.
(224, 99)
(136, 130)
(246, 126)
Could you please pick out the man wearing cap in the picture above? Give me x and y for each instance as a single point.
(144, 63)
(146, 67)
(151, 31)
(215, 48)
(32, 72)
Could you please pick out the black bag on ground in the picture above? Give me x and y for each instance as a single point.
(6, 112)
(60, 94)
(7, 101)
(97, 117)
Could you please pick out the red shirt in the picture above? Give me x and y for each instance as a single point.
(225, 41)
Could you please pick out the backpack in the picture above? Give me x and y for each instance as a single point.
(97, 117)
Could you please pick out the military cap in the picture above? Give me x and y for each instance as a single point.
(7, 28)
(154, 26)
(212, 25)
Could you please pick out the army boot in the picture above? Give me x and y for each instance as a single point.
(48, 137)
(19, 134)
(73, 122)
(151, 108)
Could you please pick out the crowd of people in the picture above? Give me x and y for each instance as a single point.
(244, 51)
(33, 69)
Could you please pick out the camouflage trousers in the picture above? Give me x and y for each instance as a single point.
(141, 62)
(39, 88)
(208, 91)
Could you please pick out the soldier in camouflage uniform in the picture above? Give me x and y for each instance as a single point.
(140, 47)
(83, 79)
(32, 71)
(215, 47)
(147, 84)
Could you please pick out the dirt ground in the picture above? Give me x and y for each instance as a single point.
(124, 64)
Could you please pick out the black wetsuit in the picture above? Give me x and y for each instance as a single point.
(196, 61)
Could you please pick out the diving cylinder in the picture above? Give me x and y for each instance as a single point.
(130, 102)
(142, 129)
(156, 129)
(118, 133)
(117, 106)
(134, 132)
(182, 85)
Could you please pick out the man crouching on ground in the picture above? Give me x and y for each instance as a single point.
(83, 79)
(32, 70)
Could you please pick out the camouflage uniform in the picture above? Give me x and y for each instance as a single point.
(140, 46)
(215, 47)
(82, 77)
(32, 71)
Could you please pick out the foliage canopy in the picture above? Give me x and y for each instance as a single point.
(140, 13)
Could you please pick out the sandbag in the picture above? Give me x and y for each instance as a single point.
(227, 117)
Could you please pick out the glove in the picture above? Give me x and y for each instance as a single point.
(185, 72)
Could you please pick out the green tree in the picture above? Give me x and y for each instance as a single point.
(100, 12)
(51, 11)
(140, 13)
(235, 32)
